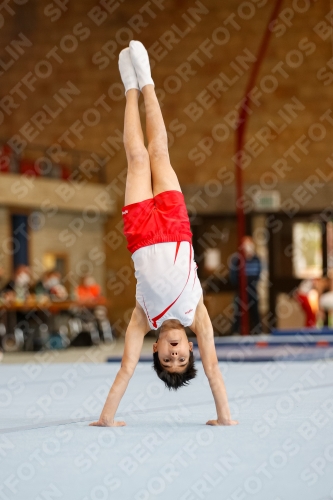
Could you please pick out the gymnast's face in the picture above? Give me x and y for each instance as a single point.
(173, 349)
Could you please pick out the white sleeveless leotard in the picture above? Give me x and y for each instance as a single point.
(167, 282)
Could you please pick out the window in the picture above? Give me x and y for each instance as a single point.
(56, 261)
(307, 253)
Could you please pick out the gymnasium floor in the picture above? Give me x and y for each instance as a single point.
(282, 449)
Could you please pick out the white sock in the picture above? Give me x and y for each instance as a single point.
(140, 60)
(127, 71)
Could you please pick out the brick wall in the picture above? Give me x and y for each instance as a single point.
(61, 87)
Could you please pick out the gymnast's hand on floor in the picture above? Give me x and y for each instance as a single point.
(104, 422)
(222, 422)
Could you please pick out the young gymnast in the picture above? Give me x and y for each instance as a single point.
(157, 228)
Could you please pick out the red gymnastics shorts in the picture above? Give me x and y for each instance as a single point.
(160, 219)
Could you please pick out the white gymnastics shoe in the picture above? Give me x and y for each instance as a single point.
(127, 71)
(140, 60)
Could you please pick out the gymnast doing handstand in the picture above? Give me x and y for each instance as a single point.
(157, 228)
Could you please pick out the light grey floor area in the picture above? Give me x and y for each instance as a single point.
(94, 354)
(281, 450)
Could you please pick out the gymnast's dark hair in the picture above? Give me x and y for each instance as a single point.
(175, 380)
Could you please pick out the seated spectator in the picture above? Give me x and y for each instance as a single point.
(306, 299)
(326, 301)
(88, 289)
(323, 287)
(309, 295)
(50, 286)
(18, 291)
(19, 287)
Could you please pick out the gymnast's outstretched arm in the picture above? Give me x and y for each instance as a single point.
(203, 328)
(136, 330)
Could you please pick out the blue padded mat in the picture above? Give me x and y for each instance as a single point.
(264, 348)
(303, 331)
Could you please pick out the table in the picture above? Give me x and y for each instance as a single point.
(28, 316)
